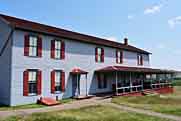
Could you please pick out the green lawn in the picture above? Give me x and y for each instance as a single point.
(93, 113)
(32, 105)
(169, 104)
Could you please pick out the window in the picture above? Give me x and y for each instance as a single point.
(32, 81)
(57, 81)
(33, 46)
(99, 54)
(119, 56)
(102, 81)
(57, 49)
(140, 59)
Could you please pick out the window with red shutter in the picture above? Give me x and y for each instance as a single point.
(32, 82)
(32, 46)
(57, 81)
(140, 59)
(57, 49)
(99, 54)
(119, 56)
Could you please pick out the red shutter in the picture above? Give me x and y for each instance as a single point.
(26, 45)
(96, 54)
(62, 50)
(116, 56)
(121, 57)
(39, 84)
(53, 82)
(141, 59)
(53, 49)
(102, 54)
(25, 83)
(63, 81)
(39, 46)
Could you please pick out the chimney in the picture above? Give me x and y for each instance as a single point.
(125, 41)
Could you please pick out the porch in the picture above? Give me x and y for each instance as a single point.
(134, 80)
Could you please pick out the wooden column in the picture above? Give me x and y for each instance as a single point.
(116, 82)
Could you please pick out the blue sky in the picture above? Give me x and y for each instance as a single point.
(154, 25)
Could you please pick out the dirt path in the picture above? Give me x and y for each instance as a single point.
(84, 103)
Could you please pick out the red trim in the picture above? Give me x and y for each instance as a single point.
(52, 48)
(53, 81)
(39, 82)
(25, 83)
(26, 45)
(62, 50)
(63, 81)
(102, 54)
(96, 54)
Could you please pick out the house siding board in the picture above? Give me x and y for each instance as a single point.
(78, 54)
(5, 64)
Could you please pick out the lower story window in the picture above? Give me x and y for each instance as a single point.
(57, 81)
(32, 81)
(102, 81)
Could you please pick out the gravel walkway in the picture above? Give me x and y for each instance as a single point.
(84, 103)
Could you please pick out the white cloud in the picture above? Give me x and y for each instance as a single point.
(161, 46)
(130, 17)
(174, 21)
(153, 9)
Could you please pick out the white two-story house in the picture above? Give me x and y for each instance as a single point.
(38, 60)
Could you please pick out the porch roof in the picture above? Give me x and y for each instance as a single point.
(78, 71)
(134, 69)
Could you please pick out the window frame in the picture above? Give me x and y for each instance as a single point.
(33, 46)
(139, 59)
(33, 81)
(60, 81)
(119, 59)
(57, 49)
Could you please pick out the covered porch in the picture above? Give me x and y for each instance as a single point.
(134, 80)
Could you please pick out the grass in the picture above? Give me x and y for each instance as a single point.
(92, 113)
(168, 104)
(28, 106)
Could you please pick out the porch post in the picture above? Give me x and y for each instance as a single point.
(78, 84)
(116, 83)
(86, 84)
(130, 83)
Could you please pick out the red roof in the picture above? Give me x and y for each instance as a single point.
(78, 71)
(133, 69)
(50, 30)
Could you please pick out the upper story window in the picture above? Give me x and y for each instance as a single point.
(140, 59)
(32, 46)
(99, 54)
(32, 82)
(119, 56)
(57, 49)
(57, 81)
